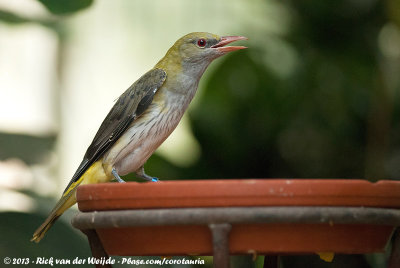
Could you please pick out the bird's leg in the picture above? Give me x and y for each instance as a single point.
(140, 173)
(116, 176)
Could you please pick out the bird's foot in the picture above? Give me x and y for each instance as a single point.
(116, 176)
(143, 175)
(149, 178)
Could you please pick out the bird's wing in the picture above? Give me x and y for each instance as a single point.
(131, 104)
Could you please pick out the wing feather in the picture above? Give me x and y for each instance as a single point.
(131, 104)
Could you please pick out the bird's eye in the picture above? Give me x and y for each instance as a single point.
(201, 42)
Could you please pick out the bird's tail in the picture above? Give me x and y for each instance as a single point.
(66, 201)
(94, 174)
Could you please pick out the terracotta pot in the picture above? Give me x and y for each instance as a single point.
(261, 238)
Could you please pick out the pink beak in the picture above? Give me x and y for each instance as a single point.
(227, 40)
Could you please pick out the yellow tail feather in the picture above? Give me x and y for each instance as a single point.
(94, 174)
(62, 205)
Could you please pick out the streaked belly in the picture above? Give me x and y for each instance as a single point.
(142, 138)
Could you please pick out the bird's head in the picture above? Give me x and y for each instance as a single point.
(196, 47)
(197, 50)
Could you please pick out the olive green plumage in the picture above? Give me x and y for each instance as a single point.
(144, 116)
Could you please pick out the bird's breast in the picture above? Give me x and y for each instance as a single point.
(147, 132)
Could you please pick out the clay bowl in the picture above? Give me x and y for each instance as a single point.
(244, 238)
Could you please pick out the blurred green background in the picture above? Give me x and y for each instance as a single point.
(316, 95)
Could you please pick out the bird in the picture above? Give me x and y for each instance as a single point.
(143, 117)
